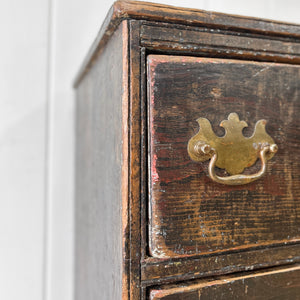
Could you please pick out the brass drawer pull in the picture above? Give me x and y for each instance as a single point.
(233, 152)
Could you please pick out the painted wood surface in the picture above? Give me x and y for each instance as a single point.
(43, 44)
(140, 10)
(139, 271)
(189, 213)
(100, 163)
(158, 271)
(273, 284)
(219, 42)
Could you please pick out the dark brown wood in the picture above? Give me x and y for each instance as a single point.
(125, 165)
(218, 43)
(144, 166)
(135, 162)
(273, 284)
(188, 16)
(165, 13)
(156, 271)
(126, 233)
(101, 195)
(190, 214)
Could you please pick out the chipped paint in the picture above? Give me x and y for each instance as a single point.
(189, 214)
(154, 174)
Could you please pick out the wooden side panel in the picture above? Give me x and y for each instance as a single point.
(277, 284)
(101, 150)
(189, 213)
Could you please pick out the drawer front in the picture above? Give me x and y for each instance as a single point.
(189, 213)
(283, 284)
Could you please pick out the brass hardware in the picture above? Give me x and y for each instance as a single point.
(233, 152)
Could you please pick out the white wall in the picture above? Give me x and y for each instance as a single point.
(43, 44)
(23, 143)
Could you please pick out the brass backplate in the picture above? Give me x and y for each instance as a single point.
(235, 151)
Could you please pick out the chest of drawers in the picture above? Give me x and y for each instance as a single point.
(176, 198)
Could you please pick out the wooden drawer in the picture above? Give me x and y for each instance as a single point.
(276, 284)
(189, 213)
(150, 218)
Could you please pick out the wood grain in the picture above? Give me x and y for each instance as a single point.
(205, 41)
(137, 10)
(273, 284)
(192, 227)
(189, 213)
(134, 162)
(100, 256)
(157, 271)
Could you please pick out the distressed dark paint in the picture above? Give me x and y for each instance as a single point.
(157, 271)
(191, 214)
(157, 28)
(272, 284)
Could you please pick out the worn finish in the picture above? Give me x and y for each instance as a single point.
(100, 157)
(137, 10)
(135, 163)
(190, 214)
(273, 284)
(219, 43)
(156, 271)
(118, 200)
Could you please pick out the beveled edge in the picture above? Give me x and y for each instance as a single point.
(166, 290)
(140, 10)
(167, 270)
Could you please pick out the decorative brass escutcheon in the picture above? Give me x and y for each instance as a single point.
(233, 152)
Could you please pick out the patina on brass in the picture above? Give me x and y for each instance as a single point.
(233, 152)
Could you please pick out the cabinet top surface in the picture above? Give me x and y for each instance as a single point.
(160, 12)
(139, 10)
